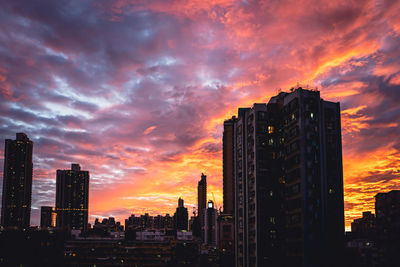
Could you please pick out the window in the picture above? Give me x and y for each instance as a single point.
(271, 129)
(271, 142)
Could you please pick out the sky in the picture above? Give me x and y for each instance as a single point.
(136, 92)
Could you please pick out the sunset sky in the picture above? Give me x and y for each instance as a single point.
(136, 92)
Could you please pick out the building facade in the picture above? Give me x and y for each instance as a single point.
(288, 179)
(46, 217)
(387, 211)
(17, 182)
(201, 203)
(210, 234)
(181, 217)
(228, 165)
(72, 198)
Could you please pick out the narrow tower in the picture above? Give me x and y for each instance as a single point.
(17, 182)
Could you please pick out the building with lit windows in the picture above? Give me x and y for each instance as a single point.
(46, 216)
(210, 234)
(288, 182)
(72, 198)
(17, 182)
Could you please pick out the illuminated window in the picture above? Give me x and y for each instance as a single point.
(312, 115)
(271, 129)
(272, 220)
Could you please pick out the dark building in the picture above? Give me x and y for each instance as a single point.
(72, 198)
(228, 165)
(226, 235)
(46, 216)
(108, 225)
(364, 227)
(289, 207)
(387, 211)
(201, 202)
(181, 216)
(17, 182)
(210, 235)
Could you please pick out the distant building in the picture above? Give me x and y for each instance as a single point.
(150, 235)
(108, 225)
(181, 217)
(163, 222)
(364, 227)
(387, 211)
(201, 201)
(17, 182)
(46, 216)
(289, 208)
(226, 236)
(210, 235)
(72, 198)
(228, 165)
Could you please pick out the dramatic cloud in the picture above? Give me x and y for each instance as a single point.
(137, 91)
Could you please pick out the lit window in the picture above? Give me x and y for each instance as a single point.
(271, 142)
(272, 220)
(312, 115)
(271, 129)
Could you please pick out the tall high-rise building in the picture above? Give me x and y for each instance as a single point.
(288, 178)
(201, 199)
(46, 216)
(181, 216)
(210, 234)
(72, 198)
(387, 211)
(17, 182)
(228, 165)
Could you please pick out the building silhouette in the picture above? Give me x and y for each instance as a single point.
(210, 234)
(181, 216)
(17, 182)
(228, 165)
(364, 227)
(46, 216)
(201, 202)
(72, 198)
(288, 178)
(387, 211)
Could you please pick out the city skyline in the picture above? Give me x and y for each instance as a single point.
(137, 93)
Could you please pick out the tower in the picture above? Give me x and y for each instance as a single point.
(72, 198)
(181, 216)
(228, 165)
(17, 182)
(201, 199)
(288, 178)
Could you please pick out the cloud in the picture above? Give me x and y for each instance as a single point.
(137, 91)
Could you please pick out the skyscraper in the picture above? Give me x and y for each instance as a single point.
(17, 182)
(72, 198)
(228, 165)
(181, 216)
(288, 182)
(46, 216)
(201, 198)
(210, 234)
(387, 210)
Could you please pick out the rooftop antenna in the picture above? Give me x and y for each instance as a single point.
(215, 203)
